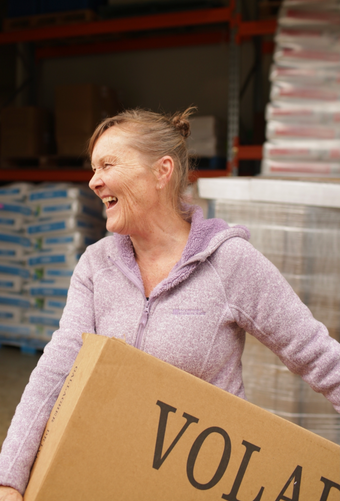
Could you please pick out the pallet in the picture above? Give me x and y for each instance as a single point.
(48, 20)
(26, 346)
(45, 162)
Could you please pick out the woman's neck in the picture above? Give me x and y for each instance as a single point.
(168, 235)
(159, 250)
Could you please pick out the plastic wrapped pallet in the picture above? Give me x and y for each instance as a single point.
(13, 272)
(270, 385)
(65, 219)
(303, 116)
(50, 226)
(304, 243)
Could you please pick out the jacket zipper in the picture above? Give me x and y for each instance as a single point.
(142, 324)
(145, 315)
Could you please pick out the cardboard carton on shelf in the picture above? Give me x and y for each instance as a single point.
(74, 145)
(82, 107)
(78, 110)
(25, 132)
(129, 426)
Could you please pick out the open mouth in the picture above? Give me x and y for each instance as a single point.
(109, 202)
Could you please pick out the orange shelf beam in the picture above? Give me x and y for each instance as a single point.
(196, 174)
(74, 175)
(252, 152)
(252, 28)
(159, 42)
(121, 25)
(39, 175)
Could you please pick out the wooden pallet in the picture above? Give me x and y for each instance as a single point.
(47, 20)
(45, 162)
(26, 346)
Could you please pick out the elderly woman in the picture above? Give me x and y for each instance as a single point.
(179, 287)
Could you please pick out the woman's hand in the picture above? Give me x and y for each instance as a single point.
(9, 494)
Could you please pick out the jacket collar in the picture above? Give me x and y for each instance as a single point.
(205, 236)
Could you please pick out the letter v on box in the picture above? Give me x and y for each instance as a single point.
(128, 426)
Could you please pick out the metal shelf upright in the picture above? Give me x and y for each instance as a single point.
(240, 31)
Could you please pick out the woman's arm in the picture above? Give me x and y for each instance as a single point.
(265, 305)
(24, 435)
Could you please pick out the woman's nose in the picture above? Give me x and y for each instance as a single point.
(96, 181)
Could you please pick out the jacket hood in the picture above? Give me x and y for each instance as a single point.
(206, 235)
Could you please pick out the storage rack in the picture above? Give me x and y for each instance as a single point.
(212, 25)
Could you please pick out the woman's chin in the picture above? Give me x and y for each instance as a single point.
(115, 227)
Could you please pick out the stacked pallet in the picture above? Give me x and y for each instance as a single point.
(53, 226)
(296, 225)
(13, 272)
(303, 117)
(304, 243)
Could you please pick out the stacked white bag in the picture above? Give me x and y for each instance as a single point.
(303, 117)
(13, 272)
(61, 220)
(65, 219)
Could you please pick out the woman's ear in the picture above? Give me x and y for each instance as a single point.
(163, 170)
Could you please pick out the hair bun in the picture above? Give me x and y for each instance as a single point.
(183, 126)
(181, 121)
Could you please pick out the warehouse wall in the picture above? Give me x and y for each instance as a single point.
(167, 79)
(160, 78)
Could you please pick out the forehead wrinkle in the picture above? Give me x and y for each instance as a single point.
(109, 158)
(106, 159)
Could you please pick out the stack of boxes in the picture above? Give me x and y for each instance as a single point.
(25, 132)
(78, 110)
(207, 142)
(303, 241)
(58, 222)
(303, 117)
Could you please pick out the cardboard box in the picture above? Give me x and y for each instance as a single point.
(129, 426)
(73, 145)
(78, 110)
(25, 132)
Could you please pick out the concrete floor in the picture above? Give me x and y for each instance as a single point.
(15, 369)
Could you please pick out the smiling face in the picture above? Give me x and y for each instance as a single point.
(125, 183)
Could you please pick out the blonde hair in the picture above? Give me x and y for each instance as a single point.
(157, 135)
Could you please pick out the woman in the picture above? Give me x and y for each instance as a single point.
(179, 287)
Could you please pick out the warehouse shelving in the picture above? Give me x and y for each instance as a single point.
(209, 26)
(75, 175)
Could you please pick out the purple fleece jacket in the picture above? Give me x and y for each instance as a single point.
(195, 319)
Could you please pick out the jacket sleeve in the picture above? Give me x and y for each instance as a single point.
(24, 435)
(265, 306)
